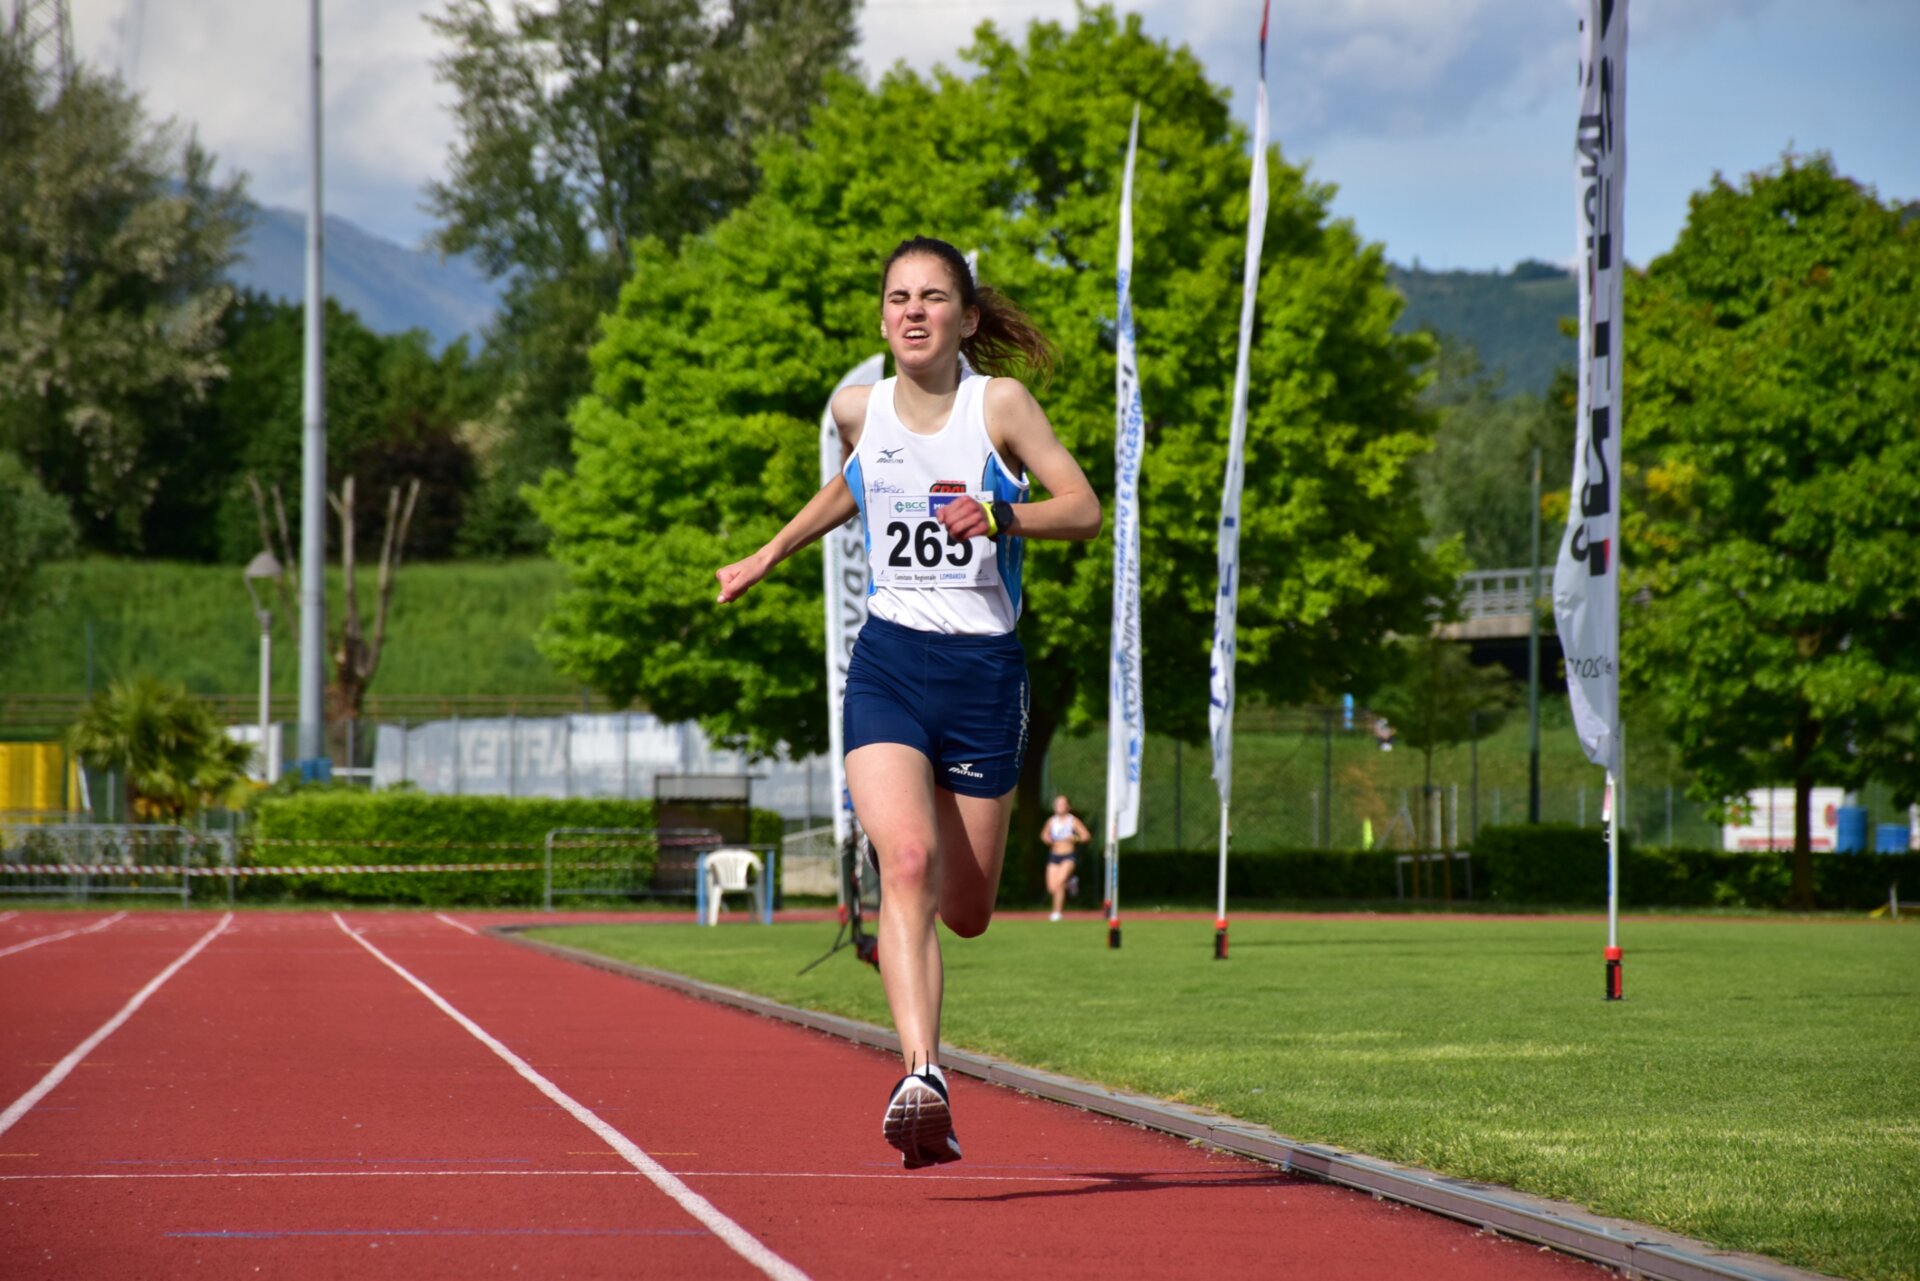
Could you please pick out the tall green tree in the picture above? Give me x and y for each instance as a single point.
(586, 126)
(1441, 699)
(1773, 411)
(1477, 484)
(700, 439)
(113, 240)
(396, 412)
(35, 529)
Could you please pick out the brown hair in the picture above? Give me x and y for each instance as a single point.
(1005, 342)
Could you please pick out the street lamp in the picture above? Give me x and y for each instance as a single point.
(263, 566)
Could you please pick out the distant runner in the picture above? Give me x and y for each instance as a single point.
(1063, 833)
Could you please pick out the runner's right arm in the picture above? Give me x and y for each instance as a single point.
(825, 511)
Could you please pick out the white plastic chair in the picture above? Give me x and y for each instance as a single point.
(732, 871)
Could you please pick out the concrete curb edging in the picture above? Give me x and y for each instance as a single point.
(1636, 1250)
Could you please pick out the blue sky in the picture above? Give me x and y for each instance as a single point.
(1445, 124)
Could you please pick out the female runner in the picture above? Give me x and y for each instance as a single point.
(1063, 834)
(937, 461)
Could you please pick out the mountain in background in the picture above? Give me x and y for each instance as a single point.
(390, 287)
(1511, 318)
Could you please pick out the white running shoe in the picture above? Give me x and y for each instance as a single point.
(1054, 917)
(919, 1122)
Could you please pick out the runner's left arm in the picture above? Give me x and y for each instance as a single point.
(825, 511)
(1018, 427)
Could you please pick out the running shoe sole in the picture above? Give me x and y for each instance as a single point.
(919, 1123)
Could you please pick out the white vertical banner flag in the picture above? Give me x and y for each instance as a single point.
(1226, 605)
(846, 596)
(1586, 577)
(1126, 715)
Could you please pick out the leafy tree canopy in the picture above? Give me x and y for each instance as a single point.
(1477, 484)
(34, 529)
(586, 126)
(1441, 698)
(396, 411)
(1773, 410)
(113, 239)
(700, 439)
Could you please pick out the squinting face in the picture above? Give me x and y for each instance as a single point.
(921, 313)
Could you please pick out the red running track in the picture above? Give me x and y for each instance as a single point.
(289, 1105)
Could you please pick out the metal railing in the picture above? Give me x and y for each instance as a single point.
(614, 862)
(1498, 593)
(54, 712)
(88, 860)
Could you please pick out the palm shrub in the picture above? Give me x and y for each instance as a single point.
(171, 755)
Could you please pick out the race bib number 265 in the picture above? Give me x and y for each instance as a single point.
(911, 548)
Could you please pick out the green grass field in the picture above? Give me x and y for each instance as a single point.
(1759, 1088)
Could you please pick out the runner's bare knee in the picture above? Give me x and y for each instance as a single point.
(907, 868)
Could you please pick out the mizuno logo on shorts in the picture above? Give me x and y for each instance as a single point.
(965, 769)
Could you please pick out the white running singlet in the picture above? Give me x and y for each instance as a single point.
(918, 576)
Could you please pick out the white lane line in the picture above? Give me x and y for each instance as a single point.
(8, 916)
(742, 1242)
(616, 1174)
(458, 925)
(20, 1106)
(62, 934)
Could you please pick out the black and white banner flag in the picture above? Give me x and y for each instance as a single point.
(1586, 578)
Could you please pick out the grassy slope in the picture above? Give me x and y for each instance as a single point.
(464, 628)
(1511, 320)
(1756, 1089)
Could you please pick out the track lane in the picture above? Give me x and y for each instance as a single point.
(288, 1107)
(779, 1127)
(67, 931)
(51, 998)
(17, 1111)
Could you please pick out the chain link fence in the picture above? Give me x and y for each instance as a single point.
(1318, 779)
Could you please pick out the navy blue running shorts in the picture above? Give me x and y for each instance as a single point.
(960, 701)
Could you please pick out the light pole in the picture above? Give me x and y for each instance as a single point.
(264, 566)
(313, 449)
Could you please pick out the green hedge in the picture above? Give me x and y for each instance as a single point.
(1541, 866)
(1552, 863)
(337, 826)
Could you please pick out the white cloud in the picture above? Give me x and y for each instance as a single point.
(1347, 77)
(236, 70)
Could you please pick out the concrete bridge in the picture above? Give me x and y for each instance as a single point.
(1493, 621)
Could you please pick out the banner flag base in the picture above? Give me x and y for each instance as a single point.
(1220, 941)
(1113, 934)
(1615, 982)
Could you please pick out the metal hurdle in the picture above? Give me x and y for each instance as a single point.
(1404, 861)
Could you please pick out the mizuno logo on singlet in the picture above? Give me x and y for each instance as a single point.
(965, 769)
(890, 456)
